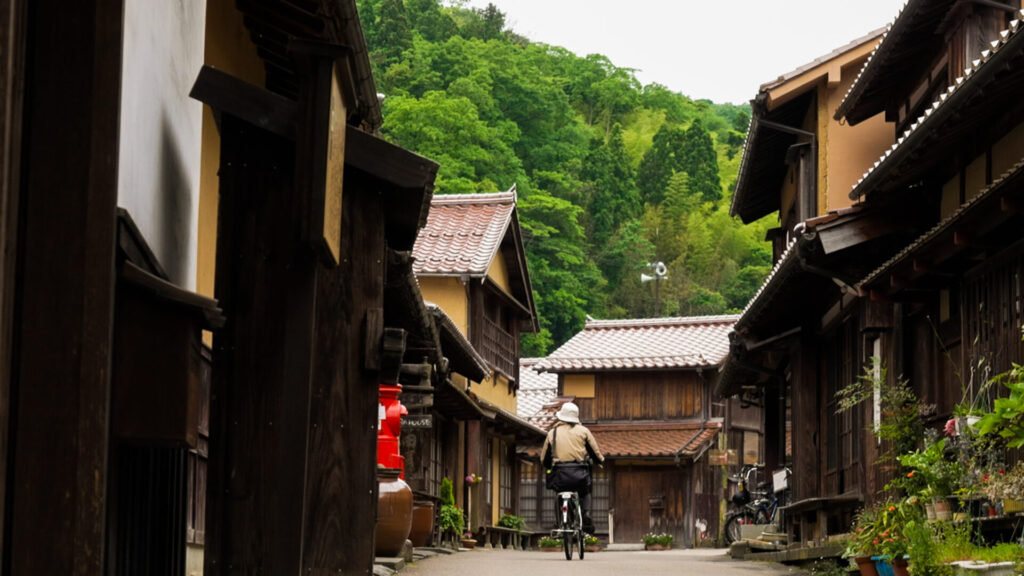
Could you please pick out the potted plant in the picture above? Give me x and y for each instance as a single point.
(863, 541)
(1006, 487)
(549, 544)
(467, 540)
(450, 521)
(591, 543)
(930, 475)
(657, 541)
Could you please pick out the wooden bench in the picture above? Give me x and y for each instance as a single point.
(503, 537)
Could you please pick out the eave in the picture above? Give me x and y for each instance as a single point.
(975, 110)
(908, 44)
(983, 225)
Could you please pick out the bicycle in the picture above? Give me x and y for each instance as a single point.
(570, 523)
(760, 510)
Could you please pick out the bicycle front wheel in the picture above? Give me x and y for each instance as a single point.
(732, 525)
(580, 536)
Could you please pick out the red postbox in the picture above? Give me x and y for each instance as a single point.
(390, 412)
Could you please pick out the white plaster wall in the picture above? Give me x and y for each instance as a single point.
(161, 128)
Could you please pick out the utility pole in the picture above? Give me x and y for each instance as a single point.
(660, 272)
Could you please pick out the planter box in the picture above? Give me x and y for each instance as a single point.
(752, 531)
(975, 568)
(550, 548)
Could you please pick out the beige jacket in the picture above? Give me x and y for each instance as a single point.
(571, 444)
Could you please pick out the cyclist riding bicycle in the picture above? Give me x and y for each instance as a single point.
(565, 456)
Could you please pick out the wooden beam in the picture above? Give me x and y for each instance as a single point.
(257, 106)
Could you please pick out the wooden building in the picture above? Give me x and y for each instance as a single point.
(471, 267)
(920, 271)
(124, 200)
(790, 340)
(643, 387)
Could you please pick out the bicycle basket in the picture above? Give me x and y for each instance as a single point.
(741, 497)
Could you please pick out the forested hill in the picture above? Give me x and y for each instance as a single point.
(611, 175)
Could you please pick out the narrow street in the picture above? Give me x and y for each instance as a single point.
(604, 563)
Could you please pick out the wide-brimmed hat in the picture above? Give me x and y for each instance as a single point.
(569, 413)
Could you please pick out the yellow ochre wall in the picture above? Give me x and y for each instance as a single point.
(845, 152)
(228, 48)
(1006, 152)
(450, 295)
(498, 273)
(578, 385)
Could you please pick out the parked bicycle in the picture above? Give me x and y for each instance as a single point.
(570, 524)
(757, 506)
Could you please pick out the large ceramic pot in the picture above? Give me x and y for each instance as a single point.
(422, 523)
(866, 566)
(394, 513)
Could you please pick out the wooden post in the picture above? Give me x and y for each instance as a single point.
(63, 326)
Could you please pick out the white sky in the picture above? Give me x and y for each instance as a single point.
(721, 50)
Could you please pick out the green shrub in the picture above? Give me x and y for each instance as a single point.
(512, 521)
(445, 492)
(451, 519)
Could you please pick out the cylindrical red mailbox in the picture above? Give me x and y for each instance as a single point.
(390, 412)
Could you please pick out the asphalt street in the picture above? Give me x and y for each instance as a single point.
(697, 562)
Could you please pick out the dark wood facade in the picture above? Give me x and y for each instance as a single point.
(95, 481)
(938, 301)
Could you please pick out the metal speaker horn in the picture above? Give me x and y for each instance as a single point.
(647, 278)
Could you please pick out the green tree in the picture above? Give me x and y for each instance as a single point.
(430, 21)
(660, 163)
(473, 156)
(701, 162)
(614, 198)
(393, 32)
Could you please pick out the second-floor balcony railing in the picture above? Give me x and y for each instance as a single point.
(499, 348)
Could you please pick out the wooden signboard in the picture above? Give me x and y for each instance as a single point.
(334, 168)
(417, 421)
(723, 457)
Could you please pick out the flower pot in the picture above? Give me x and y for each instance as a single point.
(1012, 505)
(551, 548)
(394, 513)
(883, 565)
(467, 543)
(866, 565)
(929, 510)
(977, 568)
(943, 511)
(592, 547)
(656, 547)
(900, 567)
(422, 523)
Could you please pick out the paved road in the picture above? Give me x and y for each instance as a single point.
(699, 562)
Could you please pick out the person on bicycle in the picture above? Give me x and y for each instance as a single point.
(570, 443)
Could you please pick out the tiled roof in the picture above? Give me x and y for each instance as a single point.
(463, 233)
(961, 88)
(535, 388)
(545, 416)
(655, 343)
(639, 441)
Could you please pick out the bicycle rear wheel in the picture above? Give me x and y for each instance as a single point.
(567, 540)
(732, 525)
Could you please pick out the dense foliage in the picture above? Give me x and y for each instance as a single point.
(611, 175)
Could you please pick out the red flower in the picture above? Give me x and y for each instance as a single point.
(892, 508)
(910, 474)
